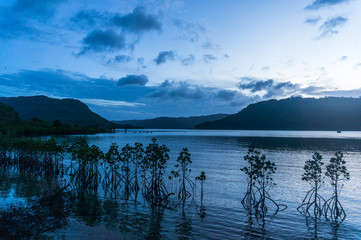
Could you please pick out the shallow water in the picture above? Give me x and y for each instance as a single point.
(220, 155)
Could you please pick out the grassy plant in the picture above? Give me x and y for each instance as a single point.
(313, 202)
(337, 172)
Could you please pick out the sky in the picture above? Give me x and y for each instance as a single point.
(145, 59)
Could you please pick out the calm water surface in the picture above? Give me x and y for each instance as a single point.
(220, 155)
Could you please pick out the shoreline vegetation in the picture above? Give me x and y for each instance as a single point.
(137, 174)
(132, 174)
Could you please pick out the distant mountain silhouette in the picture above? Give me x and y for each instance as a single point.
(331, 113)
(172, 122)
(68, 111)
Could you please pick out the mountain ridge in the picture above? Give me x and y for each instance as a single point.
(172, 122)
(330, 113)
(70, 111)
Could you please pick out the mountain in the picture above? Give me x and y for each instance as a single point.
(68, 111)
(171, 122)
(329, 113)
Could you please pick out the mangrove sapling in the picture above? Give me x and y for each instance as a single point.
(86, 176)
(313, 202)
(153, 167)
(263, 176)
(137, 156)
(201, 178)
(249, 199)
(125, 157)
(112, 176)
(184, 160)
(337, 172)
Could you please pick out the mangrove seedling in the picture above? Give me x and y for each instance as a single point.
(252, 157)
(337, 172)
(312, 203)
(153, 167)
(184, 160)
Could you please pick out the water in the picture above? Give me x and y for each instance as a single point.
(220, 155)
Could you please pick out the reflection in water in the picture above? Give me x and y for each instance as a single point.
(255, 228)
(184, 226)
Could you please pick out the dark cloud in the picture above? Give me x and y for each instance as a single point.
(140, 80)
(256, 85)
(25, 18)
(181, 90)
(88, 18)
(164, 56)
(123, 58)
(270, 87)
(99, 41)
(208, 58)
(226, 95)
(188, 60)
(329, 27)
(313, 21)
(138, 21)
(324, 3)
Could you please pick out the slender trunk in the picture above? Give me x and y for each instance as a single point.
(315, 207)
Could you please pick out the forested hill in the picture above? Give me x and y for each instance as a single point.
(172, 122)
(68, 111)
(331, 113)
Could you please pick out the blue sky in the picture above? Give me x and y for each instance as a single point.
(144, 59)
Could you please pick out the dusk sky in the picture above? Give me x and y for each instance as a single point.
(144, 59)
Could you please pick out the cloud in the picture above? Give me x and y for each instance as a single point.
(192, 31)
(269, 88)
(109, 103)
(317, 4)
(328, 28)
(188, 60)
(69, 84)
(172, 90)
(99, 41)
(208, 58)
(343, 58)
(164, 56)
(37, 9)
(313, 21)
(140, 80)
(256, 85)
(138, 21)
(226, 95)
(26, 18)
(123, 58)
(88, 18)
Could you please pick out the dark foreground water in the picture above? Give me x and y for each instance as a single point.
(220, 155)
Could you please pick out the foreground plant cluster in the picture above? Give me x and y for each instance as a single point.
(125, 173)
(259, 172)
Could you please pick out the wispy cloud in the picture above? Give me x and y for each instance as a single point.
(109, 103)
(317, 4)
(330, 27)
(313, 20)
